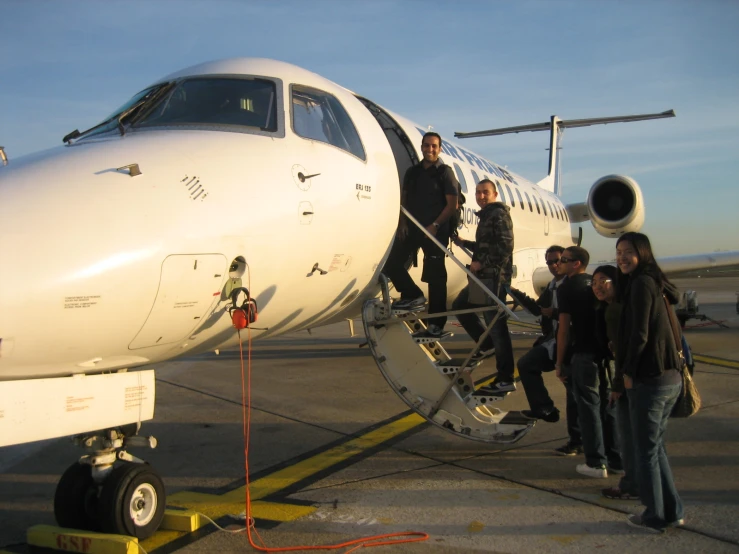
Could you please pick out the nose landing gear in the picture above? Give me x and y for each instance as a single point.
(96, 495)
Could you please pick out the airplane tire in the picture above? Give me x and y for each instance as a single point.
(132, 501)
(75, 499)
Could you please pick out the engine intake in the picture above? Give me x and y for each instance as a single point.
(615, 205)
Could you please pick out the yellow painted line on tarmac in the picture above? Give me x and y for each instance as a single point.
(233, 502)
(713, 360)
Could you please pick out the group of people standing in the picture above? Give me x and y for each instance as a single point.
(607, 336)
(609, 339)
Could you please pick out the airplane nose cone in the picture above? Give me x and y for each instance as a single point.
(82, 234)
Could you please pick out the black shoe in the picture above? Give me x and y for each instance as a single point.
(552, 416)
(432, 331)
(409, 303)
(569, 449)
(482, 354)
(639, 523)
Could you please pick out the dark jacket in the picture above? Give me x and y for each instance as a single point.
(646, 346)
(493, 245)
(534, 308)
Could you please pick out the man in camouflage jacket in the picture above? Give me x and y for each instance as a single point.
(492, 262)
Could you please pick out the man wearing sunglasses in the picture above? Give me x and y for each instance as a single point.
(577, 355)
(541, 357)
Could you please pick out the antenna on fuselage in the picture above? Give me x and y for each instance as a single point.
(556, 127)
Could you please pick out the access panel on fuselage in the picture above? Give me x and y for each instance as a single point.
(188, 287)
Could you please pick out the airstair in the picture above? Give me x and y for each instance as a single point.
(435, 385)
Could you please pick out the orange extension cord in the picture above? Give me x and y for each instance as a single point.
(366, 542)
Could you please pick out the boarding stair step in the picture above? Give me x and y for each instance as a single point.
(430, 381)
(455, 365)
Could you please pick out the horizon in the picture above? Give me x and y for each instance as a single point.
(487, 65)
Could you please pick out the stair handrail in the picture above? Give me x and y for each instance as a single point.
(462, 266)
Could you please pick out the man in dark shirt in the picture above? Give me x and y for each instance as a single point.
(430, 192)
(577, 355)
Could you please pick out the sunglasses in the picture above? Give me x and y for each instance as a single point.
(552, 262)
(566, 260)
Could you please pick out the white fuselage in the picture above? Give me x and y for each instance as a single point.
(101, 270)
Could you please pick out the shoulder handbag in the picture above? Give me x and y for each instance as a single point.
(689, 401)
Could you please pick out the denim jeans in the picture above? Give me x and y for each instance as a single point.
(584, 373)
(611, 436)
(650, 407)
(499, 337)
(629, 482)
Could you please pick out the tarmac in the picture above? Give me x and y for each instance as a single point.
(335, 455)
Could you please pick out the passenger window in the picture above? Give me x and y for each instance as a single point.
(531, 208)
(520, 199)
(544, 207)
(499, 188)
(567, 216)
(460, 178)
(319, 116)
(475, 177)
(537, 204)
(510, 194)
(551, 211)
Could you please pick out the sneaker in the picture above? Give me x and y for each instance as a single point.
(409, 303)
(595, 472)
(498, 386)
(677, 523)
(482, 354)
(551, 416)
(636, 521)
(569, 449)
(431, 332)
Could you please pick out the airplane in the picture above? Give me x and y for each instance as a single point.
(134, 242)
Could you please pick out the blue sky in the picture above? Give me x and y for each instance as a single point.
(456, 66)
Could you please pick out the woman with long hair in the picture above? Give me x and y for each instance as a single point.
(607, 326)
(649, 362)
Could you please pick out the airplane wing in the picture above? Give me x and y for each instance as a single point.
(678, 264)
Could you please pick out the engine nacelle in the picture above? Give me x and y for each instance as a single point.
(615, 205)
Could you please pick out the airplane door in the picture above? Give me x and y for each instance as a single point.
(188, 287)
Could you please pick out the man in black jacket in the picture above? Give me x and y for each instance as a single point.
(492, 261)
(430, 192)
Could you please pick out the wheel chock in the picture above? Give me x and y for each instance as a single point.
(75, 540)
(182, 520)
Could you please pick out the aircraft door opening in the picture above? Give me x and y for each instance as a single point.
(403, 151)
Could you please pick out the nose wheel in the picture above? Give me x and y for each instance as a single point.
(132, 501)
(76, 499)
(110, 490)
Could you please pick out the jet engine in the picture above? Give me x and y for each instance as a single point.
(615, 205)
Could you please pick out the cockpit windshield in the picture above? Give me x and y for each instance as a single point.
(215, 101)
(239, 104)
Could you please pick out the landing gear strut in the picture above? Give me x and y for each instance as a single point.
(98, 494)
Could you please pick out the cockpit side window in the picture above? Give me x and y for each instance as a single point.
(318, 115)
(217, 101)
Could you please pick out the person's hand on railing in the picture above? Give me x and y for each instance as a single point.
(475, 266)
(458, 240)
